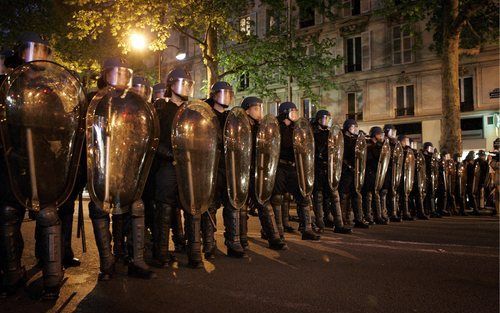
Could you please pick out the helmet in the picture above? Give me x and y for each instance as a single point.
(390, 131)
(348, 123)
(250, 101)
(222, 93)
(117, 72)
(179, 81)
(323, 118)
(159, 91)
(289, 110)
(31, 47)
(141, 86)
(375, 130)
(428, 147)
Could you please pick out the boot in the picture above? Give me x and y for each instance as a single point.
(394, 208)
(358, 211)
(244, 228)
(137, 267)
(161, 245)
(405, 211)
(119, 247)
(270, 228)
(383, 204)
(103, 242)
(52, 270)
(11, 250)
(66, 217)
(193, 248)
(232, 233)
(208, 219)
(305, 217)
(178, 236)
(367, 206)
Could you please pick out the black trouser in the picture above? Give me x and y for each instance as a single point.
(66, 213)
(430, 200)
(11, 244)
(321, 196)
(287, 181)
(441, 195)
(348, 194)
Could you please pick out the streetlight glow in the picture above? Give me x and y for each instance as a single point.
(180, 56)
(138, 41)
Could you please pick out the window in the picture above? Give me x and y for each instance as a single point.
(466, 94)
(308, 108)
(244, 82)
(412, 130)
(306, 16)
(355, 105)
(273, 22)
(354, 55)
(247, 24)
(402, 45)
(472, 128)
(351, 7)
(405, 100)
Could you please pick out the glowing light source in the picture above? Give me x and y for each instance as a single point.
(180, 56)
(138, 41)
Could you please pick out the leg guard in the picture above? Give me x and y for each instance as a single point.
(162, 224)
(232, 232)
(208, 219)
(305, 218)
(357, 202)
(100, 223)
(276, 201)
(383, 204)
(138, 267)
(244, 227)
(119, 247)
(193, 225)
(178, 236)
(66, 216)
(405, 211)
(285, 213)
(318, 204)
(11, 246)
(367, 205)
(50, 230)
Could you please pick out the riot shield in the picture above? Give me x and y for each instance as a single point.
(359, 162)
(303, 147)
(461, 178)
(238, 151)
(383, 164)
(335, 156)
(450, 175)
(267, 153)
(397, 166)
(42, 108)
(409, 172)
(194, 141)
(435, 171)
(421, 174)
(122, 136)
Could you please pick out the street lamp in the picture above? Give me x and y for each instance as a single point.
(181, 55)
(138, 41)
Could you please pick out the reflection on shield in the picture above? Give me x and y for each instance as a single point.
(303, 147)
(122, 134)
(421, 175)
(397, 166)
(461, 178)
(267, 147)
(383, 164)
(360, 162)
(435, 172)
(238, 151)
(194, 140)
(43, 106)
(335, 156)
(409, 172)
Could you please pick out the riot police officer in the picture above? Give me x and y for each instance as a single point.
(165, 195)
(371, 198)
(417, 195)
(159, 91)
(430, 203)
(347, 189)
(442, 188)
(481, 172)
(325, 201)
(221, 96)
(407, 178)
(286, 175)
(389, 195)
(253, 108)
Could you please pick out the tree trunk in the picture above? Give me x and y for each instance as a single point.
(209, 52)
(451, 134)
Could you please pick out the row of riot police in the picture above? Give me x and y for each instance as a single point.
(168, 163)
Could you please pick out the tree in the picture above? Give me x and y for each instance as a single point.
(228, 49)
(460, 27)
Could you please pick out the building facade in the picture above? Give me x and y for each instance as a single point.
(384, 77)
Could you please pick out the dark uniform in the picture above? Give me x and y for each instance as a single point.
(430, 203)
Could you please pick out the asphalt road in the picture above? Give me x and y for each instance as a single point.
(441, 265)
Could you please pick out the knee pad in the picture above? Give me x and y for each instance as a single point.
(276, 199)
(137, 209)
(9, 215)
(48, 217)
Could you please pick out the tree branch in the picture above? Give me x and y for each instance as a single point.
(179, 29)
(464, 15)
